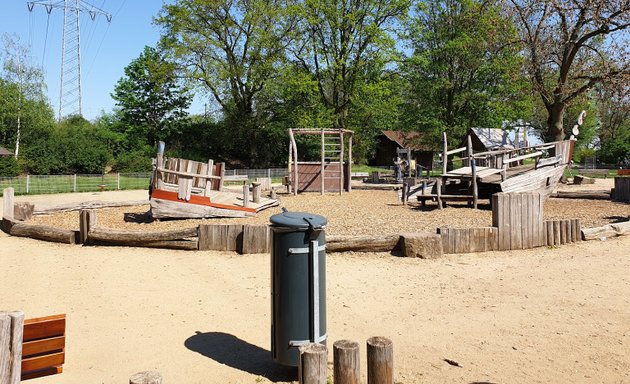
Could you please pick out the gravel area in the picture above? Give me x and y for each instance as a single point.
(358, 213)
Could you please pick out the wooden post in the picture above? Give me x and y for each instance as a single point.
(74, 183)
(87, 221)
(118, 181)
(341, 162)
(273, 194)
(380, 360)
(295, 163)
(347, 369)
(323, 165)
(474, 182)
(245, 195)
(209, 182)
(290, 163)
(405, 192)
(7, 206)
(444, 155)
(350, 163)
(11, 335)
(312, 364)
(146, 377)
(256, 188)
(438, 187)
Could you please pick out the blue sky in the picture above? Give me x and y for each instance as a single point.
(106, 48)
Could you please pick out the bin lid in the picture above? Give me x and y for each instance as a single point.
(300, 220)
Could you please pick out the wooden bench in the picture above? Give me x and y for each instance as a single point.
(243, 178)
(593, 172)
(423, 198)
(43, 348)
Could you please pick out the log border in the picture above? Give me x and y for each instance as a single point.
(249, 239)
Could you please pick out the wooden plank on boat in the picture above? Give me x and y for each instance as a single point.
(523, 157)
(516, 241)
(256, 239)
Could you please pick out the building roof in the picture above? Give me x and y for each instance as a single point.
(411, 140)
(5, 152)
(493, 138)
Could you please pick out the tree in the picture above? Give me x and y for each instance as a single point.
(28, 79)
(571, 46)
(465, 70)
(614, 111)
(230, 48)
(341, 41)
(150, 97)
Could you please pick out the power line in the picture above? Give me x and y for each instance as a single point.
(70, 102)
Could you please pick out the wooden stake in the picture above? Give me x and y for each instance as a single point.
(245, 195)
(380, 360)
(7, 206)
(312, 364)
(323, 165)
(146, 377)
(444, 155)
(347, 369)
(87, 221)
(256, 188)
(438, 183)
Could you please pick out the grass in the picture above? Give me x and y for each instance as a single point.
(66, 183)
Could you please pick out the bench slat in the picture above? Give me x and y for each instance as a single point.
(42, 372)
(36, 347)
(50, 326)
(45, 361)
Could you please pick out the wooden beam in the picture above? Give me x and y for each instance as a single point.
(7, 203)
(346, 367)
(312, 364)
(445, 153)
(380, 360)
(322, 174)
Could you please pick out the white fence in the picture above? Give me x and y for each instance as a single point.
(44, 184)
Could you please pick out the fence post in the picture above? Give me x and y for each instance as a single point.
(380, 360)
(312, 364)
(28, 183)
(146, 377)
(269, 173)
(347, 369)
(118, 181)
(74, 183)
(7, 199)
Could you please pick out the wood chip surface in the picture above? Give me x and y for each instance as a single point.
(370, 212)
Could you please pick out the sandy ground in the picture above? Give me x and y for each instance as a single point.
(558, 315)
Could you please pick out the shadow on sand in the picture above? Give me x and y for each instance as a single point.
(230, 350)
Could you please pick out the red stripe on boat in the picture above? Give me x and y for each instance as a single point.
(195, 199)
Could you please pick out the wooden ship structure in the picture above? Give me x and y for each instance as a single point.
(187, 189)
(526, 169)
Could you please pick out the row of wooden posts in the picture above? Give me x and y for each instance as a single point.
(313, 364)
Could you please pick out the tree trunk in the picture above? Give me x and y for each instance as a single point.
(555, 121)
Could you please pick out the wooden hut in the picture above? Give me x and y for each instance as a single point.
(389, 142)
(5, 152)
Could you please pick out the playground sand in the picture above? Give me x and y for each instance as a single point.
(556, 315)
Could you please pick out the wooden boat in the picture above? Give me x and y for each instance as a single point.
(188, 189)
(532, 168)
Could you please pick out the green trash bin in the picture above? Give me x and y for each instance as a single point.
(298, 284)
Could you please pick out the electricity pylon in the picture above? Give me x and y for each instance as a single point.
(70, 87)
